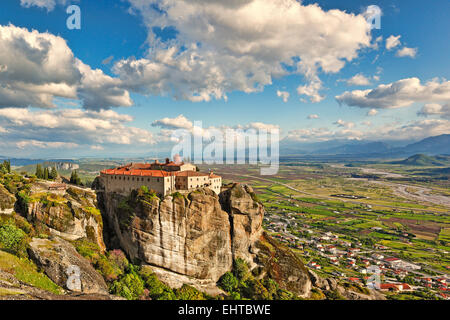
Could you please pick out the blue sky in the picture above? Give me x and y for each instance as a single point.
(122, 30)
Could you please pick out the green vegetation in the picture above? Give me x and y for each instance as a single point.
(75, 179)
(240, 283)
(24, 270)
(13, 240)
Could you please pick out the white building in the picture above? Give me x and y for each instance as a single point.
(163, 178)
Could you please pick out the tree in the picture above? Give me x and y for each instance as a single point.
(6, 166)
(53, 174)
(46, 173)
(39, 172)
(74, 179)
(228, 282)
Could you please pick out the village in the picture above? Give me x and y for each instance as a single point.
(348, 259)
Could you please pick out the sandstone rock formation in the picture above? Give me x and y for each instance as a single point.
(188, 235)
(59, 260)
(198, 235)
(71, 215)
(246, 215)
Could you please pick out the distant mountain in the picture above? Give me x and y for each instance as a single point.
(360, 148)
(431, 145)
(25, 162)
(424, 160)
(369, 149)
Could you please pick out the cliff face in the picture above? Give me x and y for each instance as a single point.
(188, 235)
(197, 236)
(7, 201)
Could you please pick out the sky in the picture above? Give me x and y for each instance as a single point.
(137, 70)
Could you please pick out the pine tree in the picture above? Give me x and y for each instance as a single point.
(45, 173)
(7, 165)
(53, 174)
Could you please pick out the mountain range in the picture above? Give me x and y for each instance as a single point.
(377, 149)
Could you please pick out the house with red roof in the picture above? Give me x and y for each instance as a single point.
(163, 178)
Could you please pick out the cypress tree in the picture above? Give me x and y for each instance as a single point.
(39, 172)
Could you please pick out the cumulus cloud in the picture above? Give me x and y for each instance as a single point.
(401, 93)
(358, 80)
(171, 128)
(284, 95)
(225, 46)
(432, 109)
(37, 67)
(407, 52)
(69, 128)
(372, 112)
(392, 42)
(313, 116)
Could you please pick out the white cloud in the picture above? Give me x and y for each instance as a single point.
(392, 42)
(45, 144)
(322, 134)
(261, 126)
(47, 4)
(225, 46)
(180, 122)
(407, 52)
(344, 124)
(284, 95)
(313, 116)
(372, 112)
(401, 93)
(312, 90)
(388, 131)
(37, 67)
(70, 127)
(358, 80)
(432, 109)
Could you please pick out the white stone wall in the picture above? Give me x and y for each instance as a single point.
(124, 184)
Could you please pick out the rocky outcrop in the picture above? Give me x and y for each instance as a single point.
(7, 201)
(65, 267)
(246, 215)
(282, 265)
(188, 235)
(72, 214)
(197, 236)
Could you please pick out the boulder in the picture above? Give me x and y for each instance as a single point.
(71, 215)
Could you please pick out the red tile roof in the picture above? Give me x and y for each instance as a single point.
(138, 172)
